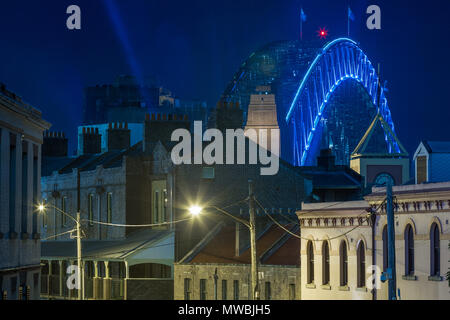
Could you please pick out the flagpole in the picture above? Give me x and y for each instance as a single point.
(348, 22)
(301, 24)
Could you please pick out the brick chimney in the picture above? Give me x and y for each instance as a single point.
(159, 127)
(118, 136)
(55, 144)
(326, 159)
(91, 141)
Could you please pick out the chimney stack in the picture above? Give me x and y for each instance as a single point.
(55, 144)
(91, 141)
(118, 136)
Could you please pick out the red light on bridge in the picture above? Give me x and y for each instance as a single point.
(322, 33)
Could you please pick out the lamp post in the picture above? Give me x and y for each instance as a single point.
(251, 225)
(41, 208)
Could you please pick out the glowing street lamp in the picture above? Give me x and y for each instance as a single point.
(195, 210)
(41, 208)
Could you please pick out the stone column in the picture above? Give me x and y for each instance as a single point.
(4, 181)
(61, 278)
(49, 281)
(125, 281)
(96, 282)
(107, 283)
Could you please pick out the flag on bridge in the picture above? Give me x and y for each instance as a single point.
(302, 19)
(350, 16)
(303, 15)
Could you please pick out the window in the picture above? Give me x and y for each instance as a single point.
(156, 208)
(435, 246)
(164, 205)
(236, 289)
(385, 248)
(361, 265)
(267, 290)
(343, 264)
(224, 289)
(91, 209)
(292, 291)
(187, 289)
(109, 207)
(421, 165)
(208, 173)
(64, 209)
(409, 250)
(310, 260)
(44, 215)
(325, 263)
(202, 289)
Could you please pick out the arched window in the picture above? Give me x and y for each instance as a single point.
(343, 263)
(310, 259)
(409, 250)
(325, 263)
(435, 254)
(361, 265)
(385, 248)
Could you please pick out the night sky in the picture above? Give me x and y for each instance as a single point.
(194, 48)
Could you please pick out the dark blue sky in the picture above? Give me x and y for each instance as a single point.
(194, 47)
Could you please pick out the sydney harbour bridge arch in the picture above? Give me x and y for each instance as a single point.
(326, 96)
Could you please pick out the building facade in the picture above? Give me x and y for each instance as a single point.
(21, 134)
(218, 268)
(341, 243)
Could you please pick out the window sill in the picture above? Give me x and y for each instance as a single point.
(310, 286)
(361, 289)
(344, 288)
(325, 287)
(409, 278)
(435, 278)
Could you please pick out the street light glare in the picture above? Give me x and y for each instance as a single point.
(195, 210)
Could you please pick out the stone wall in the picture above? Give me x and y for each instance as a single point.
(280, 278)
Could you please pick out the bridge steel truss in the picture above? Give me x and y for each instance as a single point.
(339, 60)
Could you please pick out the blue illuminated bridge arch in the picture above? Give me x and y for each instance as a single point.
(305, 80)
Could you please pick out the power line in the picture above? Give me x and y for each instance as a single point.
(135, 225)
(300, 237)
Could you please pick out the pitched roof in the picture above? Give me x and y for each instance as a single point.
(104, 249)
(377, 124)
(88, 162)
(437, 146)
(221, 248)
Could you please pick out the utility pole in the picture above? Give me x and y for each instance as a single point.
(391, 272)
(80, 269)
(254, 266)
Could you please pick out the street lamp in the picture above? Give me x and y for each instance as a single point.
(196, 210)
(42, 208)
